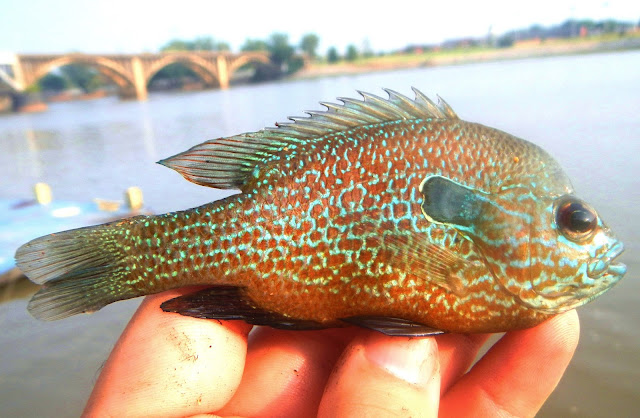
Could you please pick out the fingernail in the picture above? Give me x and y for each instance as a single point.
(414, 360)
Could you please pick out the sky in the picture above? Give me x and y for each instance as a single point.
(130, 26)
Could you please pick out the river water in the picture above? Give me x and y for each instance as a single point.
(582, 109)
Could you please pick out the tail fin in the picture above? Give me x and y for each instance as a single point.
(81, 270)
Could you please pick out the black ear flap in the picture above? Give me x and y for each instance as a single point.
(448, 202)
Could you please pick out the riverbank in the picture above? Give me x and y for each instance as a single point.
(442, 57)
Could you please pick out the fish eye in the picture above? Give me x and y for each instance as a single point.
(575, 219)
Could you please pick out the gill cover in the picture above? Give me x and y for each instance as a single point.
(499, 224)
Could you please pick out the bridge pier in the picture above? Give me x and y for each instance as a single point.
(6, 103)
(223, 71)
(139, 80)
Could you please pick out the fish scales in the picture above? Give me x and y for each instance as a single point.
(427, 220)
(290, 249)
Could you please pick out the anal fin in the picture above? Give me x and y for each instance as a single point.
(229, 302)
(395, 327)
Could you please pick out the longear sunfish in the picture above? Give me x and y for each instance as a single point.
(391, 214)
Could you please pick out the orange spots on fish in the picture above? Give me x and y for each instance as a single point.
(315, 235)
(337, 259)
(349, 244)
(514, 272)
(234, 261)
(374, 213)
(368, 201)
(288, 230)
(307, 225)
(322, 247)
(263, 245)
(334, 211)
(308, 250)
(371, 242)
(404, 224)
(346, 219)
(342, 164)
(356, 195)
(365, 256)
(347, 270)
(377, 188)
(267, 264)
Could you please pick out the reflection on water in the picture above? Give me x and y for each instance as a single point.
(147, 130)
(582, 109)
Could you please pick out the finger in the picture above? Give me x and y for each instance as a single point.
(286, 372)
(518, 373)
(166, 364)
(457, 352)
(380, 375)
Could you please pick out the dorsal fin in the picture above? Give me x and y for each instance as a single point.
(226, 163)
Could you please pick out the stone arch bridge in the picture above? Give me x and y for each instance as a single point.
(131, 72)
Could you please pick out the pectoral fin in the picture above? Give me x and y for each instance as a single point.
(228, 302)
(412, 251)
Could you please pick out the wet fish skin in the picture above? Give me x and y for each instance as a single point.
(377, 209)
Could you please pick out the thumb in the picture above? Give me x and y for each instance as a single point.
(380, 375)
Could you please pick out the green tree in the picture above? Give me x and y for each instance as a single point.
(80, 76)
(367, 51)
(52, 82)
(202, 43)
(176, 45)
(332, 55)
(352, 53)
(309, 44)
(254, 45)
(279, 49)
(172, 76)
(223, 46)
(295, 63)
(507, 40)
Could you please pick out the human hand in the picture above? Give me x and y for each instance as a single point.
(170, 365)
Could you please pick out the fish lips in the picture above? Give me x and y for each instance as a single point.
(605, 266)
(603, 272)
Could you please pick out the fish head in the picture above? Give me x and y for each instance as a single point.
(572, 256)
(551, 253)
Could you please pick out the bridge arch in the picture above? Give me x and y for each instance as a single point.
(133, 72)
(110, 68)
(207, 72)
(247, 58)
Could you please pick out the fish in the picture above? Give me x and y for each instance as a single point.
(387, 213)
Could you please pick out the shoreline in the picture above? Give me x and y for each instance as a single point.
(540, 49)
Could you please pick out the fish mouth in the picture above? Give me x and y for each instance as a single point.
(605, 265)
(603, 273)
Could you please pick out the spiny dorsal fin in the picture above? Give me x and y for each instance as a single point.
(226, 163)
